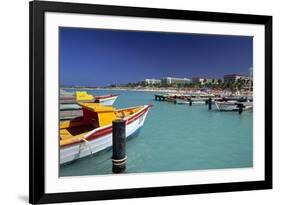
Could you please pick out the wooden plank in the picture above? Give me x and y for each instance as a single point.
(70, 114)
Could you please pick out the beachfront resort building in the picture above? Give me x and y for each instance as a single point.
(152, 81)
(203, 81)
(171, 80)
(231, 78)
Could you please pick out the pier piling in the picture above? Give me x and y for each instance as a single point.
(210, 103)
(240, 108)
(119, 157)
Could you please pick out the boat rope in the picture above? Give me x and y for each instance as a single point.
(119, 162)
(88, 145)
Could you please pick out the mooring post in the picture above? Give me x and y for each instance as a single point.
(240, 108)
(119, 157)
(210, 103)
(190, 102)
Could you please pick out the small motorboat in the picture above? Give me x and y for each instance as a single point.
(234, 105)
(92, 133)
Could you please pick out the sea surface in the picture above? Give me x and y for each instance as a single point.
(175, 138)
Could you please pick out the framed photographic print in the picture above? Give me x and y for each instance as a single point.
(140, 102)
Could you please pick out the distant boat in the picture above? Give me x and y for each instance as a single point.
(181, 101)
(68, 101)
(194, 100)
(170, 99)
(233, 105)
(92, 133)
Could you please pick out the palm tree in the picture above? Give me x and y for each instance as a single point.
(239, 83)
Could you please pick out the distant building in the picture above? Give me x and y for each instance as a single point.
(203, 80)
(198, 80)
(234, 78)
(171, 80)
(152, 81)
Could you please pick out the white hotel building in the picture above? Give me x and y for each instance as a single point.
(152, 81)
(171, 80)
(166, 81)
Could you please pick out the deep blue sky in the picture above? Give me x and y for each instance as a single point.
(96, 57)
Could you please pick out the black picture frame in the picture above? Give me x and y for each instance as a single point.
(37, 193)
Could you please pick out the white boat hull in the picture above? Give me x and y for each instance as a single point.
(83, 149)
(108, 101)
(232, 106)
(74, 106)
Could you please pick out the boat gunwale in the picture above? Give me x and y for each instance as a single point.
(102, 97)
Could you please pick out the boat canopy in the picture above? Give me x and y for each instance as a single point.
(100, 114)
(94, 115)
(83, 96)
(97, 115)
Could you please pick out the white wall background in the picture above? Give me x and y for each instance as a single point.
(14, 100)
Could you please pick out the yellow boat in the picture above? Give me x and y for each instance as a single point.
(69, 101)
(92, 133)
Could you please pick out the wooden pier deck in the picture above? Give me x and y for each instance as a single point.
(70, 114)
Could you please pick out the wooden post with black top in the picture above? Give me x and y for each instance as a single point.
(119, 157)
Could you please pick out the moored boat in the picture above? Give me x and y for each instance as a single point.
(70, 102)
(182, 101)
(92, 133)
(233, 105)
(106, 99)
(194, 100)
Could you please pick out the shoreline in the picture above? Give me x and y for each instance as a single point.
(171, 91)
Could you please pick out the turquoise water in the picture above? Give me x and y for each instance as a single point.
(176, 138)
